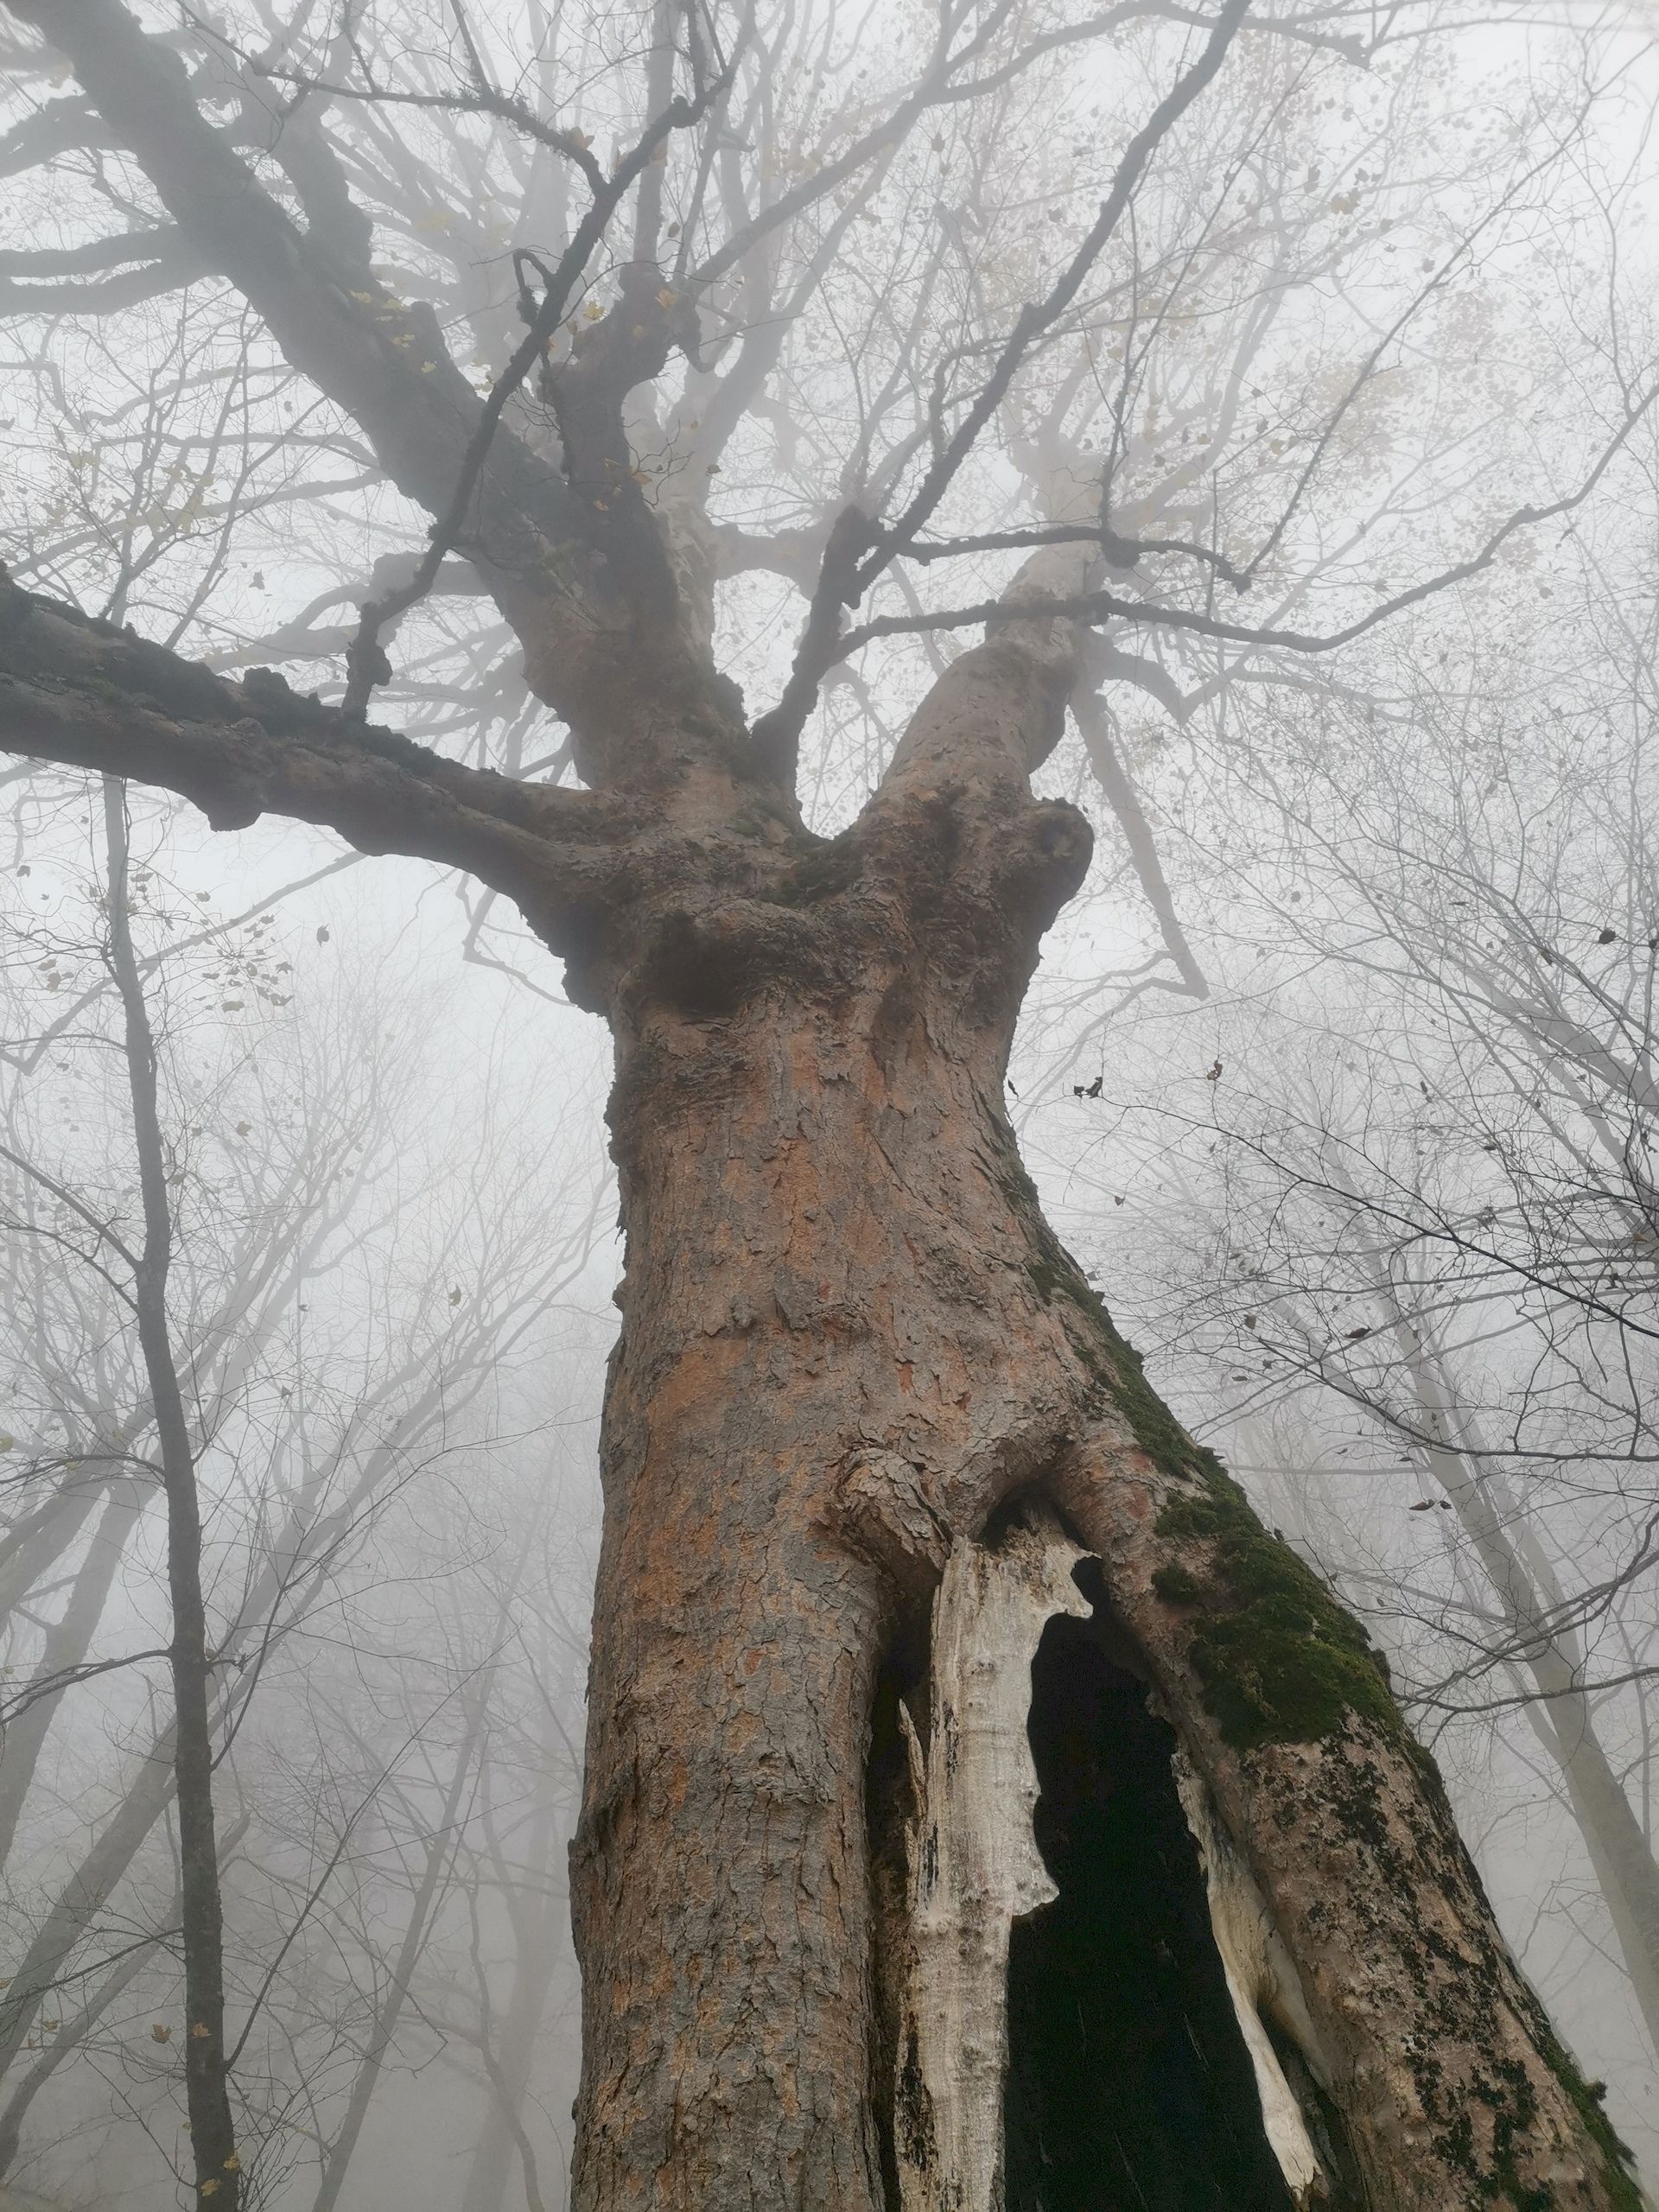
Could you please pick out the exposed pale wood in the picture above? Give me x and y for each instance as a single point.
(1261, 1977)
(975, 1867)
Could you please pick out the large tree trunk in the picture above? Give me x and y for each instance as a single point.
(852, 1353)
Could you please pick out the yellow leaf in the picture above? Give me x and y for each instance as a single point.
(593, 310)
(665, 298)
(232, 2164)
(198, 2033)
(159, 2031)
(208, 2186)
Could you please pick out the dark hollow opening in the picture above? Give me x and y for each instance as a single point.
(1129, 2086)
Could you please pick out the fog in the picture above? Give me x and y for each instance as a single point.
(1337, 1077)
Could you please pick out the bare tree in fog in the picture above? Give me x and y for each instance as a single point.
(267, 1227)
(731, 351)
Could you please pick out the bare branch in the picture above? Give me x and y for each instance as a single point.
(84, 693)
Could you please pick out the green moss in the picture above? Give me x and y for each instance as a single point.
(1617, 2162)
(1117, 1367)
(1279, 1660)
(1176, 1586)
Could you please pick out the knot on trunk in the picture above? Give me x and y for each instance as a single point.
(1043, 864)
(707, 962)
(882, 1509)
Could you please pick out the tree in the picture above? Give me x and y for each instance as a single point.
(867, 1426)
(308, 1432)
(201, 1906)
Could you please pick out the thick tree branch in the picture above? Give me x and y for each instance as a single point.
(563, 568)
(387, 365)
(1118, 785)
(638, 552)
(60, 127)
(155, 243)
(89, 696)
(141, 262)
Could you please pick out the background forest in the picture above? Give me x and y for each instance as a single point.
(1339, 1078)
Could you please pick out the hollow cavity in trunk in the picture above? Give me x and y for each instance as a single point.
(1081, 1980)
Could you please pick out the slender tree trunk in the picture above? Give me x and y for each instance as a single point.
(1622, 1855)
(440, 1848)
(849, 1346)
(219, 2177)
(66, 1644)
(1531, 1603)
(538, 1915)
